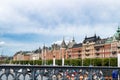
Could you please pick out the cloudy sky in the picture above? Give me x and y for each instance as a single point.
(29, 24)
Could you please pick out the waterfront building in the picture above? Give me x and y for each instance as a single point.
(36, 55)
(91, 47)
(22, 55)
(100, 48)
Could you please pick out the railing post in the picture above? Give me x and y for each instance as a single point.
(64, 78)
(7, 71)
(33, 74)
(24, 73)
(41, 74)
(50, 74)
(90, 74)
(16, 74)
(77, 75)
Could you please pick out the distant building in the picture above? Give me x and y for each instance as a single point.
(22, 55)
(91, 47)
(36, 55)
(3, 57)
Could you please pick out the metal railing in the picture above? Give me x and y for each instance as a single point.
(37, 72)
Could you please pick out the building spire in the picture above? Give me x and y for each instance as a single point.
(118, 30)
(118, 27)
(73, 39)
(85, 36)
(44, 46)
(95, 34)
(63, 44)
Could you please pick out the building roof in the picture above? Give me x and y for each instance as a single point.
(71, 43)
(117, 34)
(63, 44)
(77, 45)
(109, 40)
(115, 37)
(23, 53)
(55, 47)
(91, 39)
(101, 41)
(38, 50)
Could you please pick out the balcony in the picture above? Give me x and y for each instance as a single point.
(97, 49)
(87, 53)
(87, 50)
(114, 52)
(97, 53)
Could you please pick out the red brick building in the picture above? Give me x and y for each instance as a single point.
(91, 47)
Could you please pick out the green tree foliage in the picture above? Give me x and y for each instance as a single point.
(98, 62)
(73, 62)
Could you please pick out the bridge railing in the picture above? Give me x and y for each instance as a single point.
(29, 72)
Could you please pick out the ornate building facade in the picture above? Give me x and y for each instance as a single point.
(91, 47)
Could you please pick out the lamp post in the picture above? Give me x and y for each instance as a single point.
(82, 59)
(118, 55)
(103, 56)
(53, 60)
(42, 57)
(63, 61)
(33, 59)
(109, 60)
(110, 55)
(45, 56)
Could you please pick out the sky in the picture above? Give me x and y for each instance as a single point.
(29, 24)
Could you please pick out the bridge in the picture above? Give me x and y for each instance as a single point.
(37, 72)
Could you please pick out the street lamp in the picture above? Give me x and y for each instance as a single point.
(109, 60)
(118, 55)
(82, 59)
(53, 60)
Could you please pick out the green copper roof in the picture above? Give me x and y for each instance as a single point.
(117, 34)
(109, 40)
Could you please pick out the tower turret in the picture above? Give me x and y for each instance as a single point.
(63, 44)
(117, 34)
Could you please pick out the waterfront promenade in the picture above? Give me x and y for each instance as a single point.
(37, 72)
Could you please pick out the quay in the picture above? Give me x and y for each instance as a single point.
(38, 72)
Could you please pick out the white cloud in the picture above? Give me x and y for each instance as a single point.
(68, 30)
(15, 13)
(2, 43)
(10, 48)
(59, 18)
